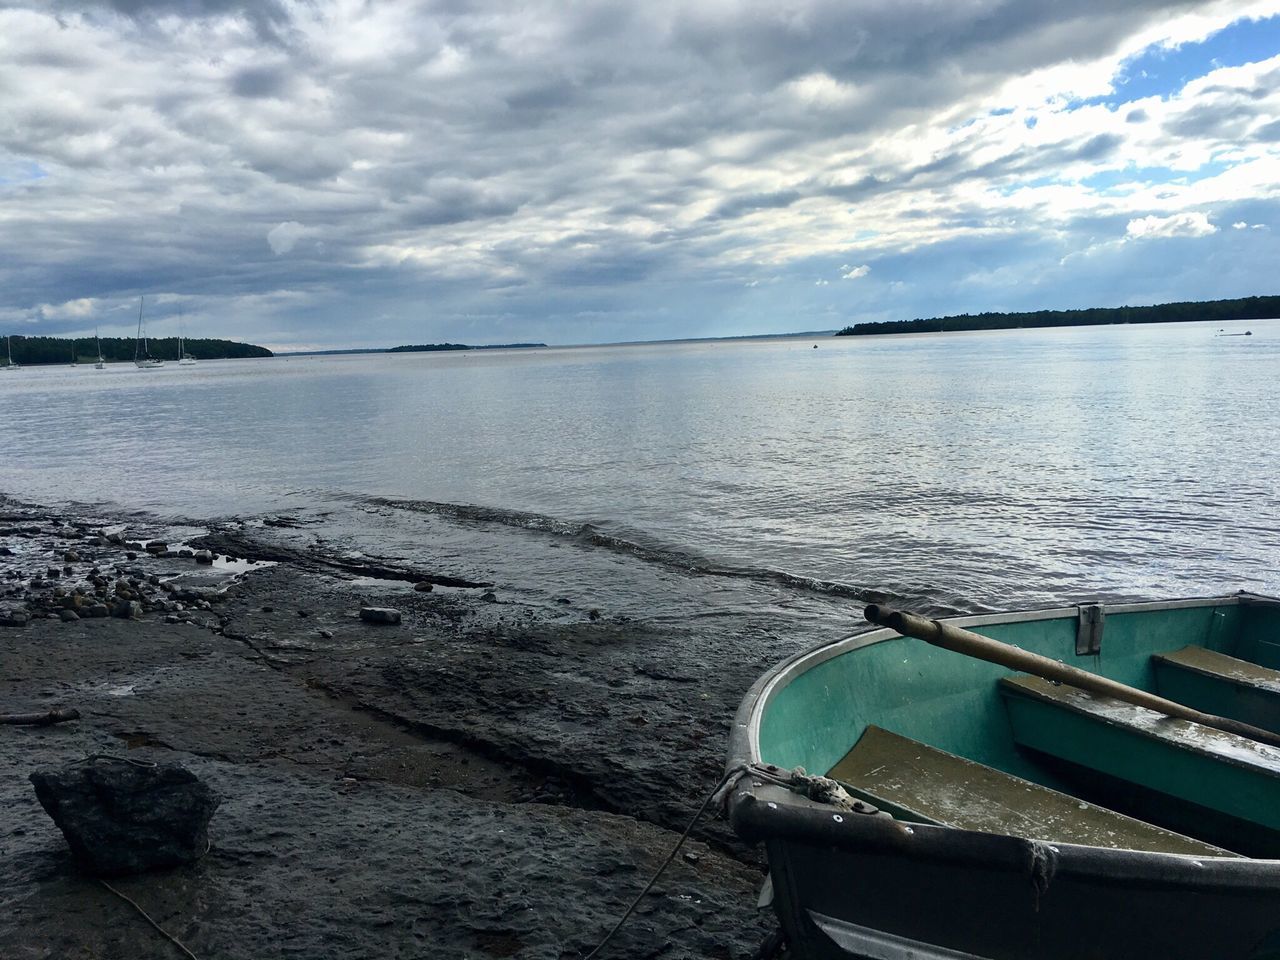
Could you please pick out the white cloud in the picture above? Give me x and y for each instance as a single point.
(853, 273)
(1177, 225)
(283, 237)
(822, 283)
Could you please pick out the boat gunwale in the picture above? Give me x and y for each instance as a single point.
(792, 812)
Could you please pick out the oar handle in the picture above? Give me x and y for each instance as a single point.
(975, 645)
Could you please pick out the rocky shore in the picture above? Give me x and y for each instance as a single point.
(484, 778)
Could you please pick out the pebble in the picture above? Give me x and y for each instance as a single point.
(67, 615)
(379, 615)
(424, 587)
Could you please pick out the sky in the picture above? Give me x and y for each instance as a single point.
(318, 175)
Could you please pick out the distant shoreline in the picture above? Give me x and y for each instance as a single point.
(1212, 311)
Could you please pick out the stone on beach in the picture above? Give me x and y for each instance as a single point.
(379, 615)
(121, 817)
(13, 617)
(204, 556)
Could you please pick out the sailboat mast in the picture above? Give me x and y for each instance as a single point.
(137, 343)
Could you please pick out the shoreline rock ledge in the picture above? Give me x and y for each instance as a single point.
(122, 817)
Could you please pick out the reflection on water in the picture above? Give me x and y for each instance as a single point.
(985, 469)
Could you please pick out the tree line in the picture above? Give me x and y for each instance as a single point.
(432, 347)
(1245, 308)
(36, 350)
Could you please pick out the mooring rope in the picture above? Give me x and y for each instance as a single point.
(732, 775)
(147, 917)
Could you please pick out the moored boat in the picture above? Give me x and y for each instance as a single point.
(988, 812)
(142, 358)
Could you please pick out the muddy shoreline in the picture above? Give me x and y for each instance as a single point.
(490, 777)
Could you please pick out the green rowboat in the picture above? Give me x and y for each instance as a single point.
(993, 814)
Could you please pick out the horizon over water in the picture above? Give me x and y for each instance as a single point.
(962, 471)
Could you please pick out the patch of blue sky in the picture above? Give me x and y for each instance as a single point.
(1160, 71)
(1108, 180)
(21, 172)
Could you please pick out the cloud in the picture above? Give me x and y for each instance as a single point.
(561, 171)
(1176, 225)
(283, 237)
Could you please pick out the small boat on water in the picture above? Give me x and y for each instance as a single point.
(1097, 782)
(142, 358)
(9, 347)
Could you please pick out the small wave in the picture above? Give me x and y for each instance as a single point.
(685, 561)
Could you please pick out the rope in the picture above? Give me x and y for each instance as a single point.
(111, 756)
(724, 781)
(147, 917)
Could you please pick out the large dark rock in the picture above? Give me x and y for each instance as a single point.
(119, 817)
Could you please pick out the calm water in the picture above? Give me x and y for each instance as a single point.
(965, 471)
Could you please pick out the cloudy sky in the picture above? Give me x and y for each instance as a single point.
(330, 174)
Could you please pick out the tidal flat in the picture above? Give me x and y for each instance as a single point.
(488, 778)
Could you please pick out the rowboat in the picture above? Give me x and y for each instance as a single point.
(1091, 782)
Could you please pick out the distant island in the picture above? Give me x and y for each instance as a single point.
(32, 351)
(431, 347)
(1215, 311)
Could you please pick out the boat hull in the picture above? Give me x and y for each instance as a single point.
(865, 885)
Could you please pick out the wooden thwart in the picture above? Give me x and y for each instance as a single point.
(917, 782)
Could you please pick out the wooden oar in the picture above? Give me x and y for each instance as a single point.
(975, 645)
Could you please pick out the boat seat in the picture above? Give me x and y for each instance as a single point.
(1211, 768)
(1219, 684)
(920, 783)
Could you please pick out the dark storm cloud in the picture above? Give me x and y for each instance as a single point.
(259, 82)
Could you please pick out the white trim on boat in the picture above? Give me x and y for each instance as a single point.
(868, 944)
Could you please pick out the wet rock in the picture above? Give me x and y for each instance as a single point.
(156, 546)
(379, 615)
(13, 617)
(119, 817)
(489, 597)
(96, 611)
(68, 615)
(423, 586)
(71, 557)
(127, 610)
(204, 556)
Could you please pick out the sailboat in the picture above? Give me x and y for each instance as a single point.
(184, 359)
(142, 359)
(75, 362)
(9, 345)
(102, 362)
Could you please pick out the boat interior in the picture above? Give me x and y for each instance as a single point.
(932, 736)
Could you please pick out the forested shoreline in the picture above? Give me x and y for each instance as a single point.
(33, 351)
(1245, 308)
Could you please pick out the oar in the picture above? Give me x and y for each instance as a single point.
(975, 645)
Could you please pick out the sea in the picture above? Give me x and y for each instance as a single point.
(705, 481)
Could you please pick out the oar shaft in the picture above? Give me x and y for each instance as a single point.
(975, 645)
